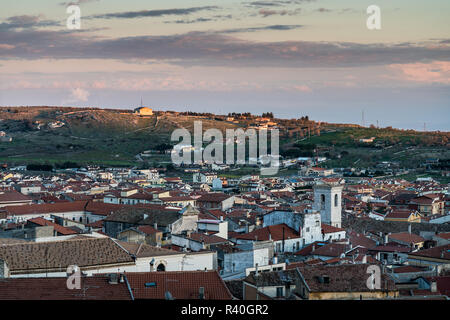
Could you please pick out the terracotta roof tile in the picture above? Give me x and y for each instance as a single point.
(92, 288)
(181, 285)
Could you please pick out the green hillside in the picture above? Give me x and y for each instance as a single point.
(55, 135)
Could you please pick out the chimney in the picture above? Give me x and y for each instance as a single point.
(313, 248)
(409, 228)
(256, 268)
(433, 286)
(221, 218)
(364, 259)
(288, 289)
(386, 238)
(155, 226)
(201, 293)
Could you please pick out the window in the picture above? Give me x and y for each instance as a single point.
(161, 267)
(317, 223)
(322, 201)
(336, 200)
(279, 292)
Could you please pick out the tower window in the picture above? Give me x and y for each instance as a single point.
(336, 200)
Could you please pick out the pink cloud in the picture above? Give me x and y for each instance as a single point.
(302, 88)
(6, 46)
(434, 72)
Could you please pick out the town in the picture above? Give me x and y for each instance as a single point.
(215, 159)
(146, 234)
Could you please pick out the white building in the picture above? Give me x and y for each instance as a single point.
(307, 224)
(328, 201)
(204, 177)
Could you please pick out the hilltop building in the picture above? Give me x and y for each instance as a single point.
(143, 111)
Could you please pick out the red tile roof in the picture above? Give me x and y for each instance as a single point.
(358, 239)
(326, 228)
(208, 239)
(442, 283)
(399, 214)
(441, 252)
(148, 229)
(406, 237)
(46, 208)
(180, 284)
(13, 196)
(274, 232)
(213, 197)
(444, 235)
(58, 228)
(406, 269)
(306, 251)
(92, 288)
(331, 250)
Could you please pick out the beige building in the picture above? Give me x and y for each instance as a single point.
(143, 111)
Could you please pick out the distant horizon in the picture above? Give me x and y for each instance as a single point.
(168, 109)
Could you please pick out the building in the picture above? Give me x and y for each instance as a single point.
(13, 198)
(149, 258)
(328, 201)
(429, 204)
(408, 239)
(206, 177)
(285, 239)
(217, 200)
(306, 224)
(403, 216)
(167, 220)
(338, 282)
(141, 234)
(143, 111)
(270, 285)
(437, 256)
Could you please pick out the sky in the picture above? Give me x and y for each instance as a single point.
(289, 57)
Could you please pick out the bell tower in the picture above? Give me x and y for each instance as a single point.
(328, 201)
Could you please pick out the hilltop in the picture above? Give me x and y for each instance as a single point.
(114, 137)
